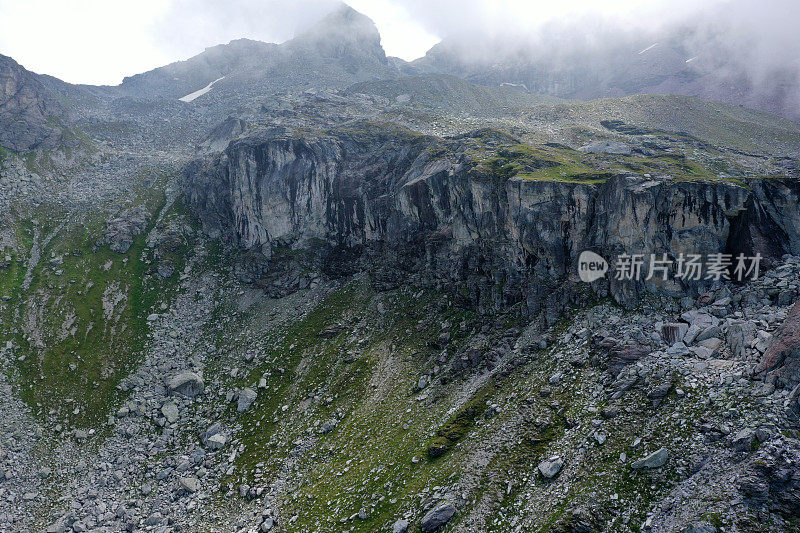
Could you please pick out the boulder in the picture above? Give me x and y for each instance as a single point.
(743, 440)
(186, 383)
(673, 333)
(770, 480)
(549, 468)
(656, 459)
(437, 517)
(170, 412)
(246, 398)
(782, 355)
(217, 442)
(739, 337)
(189, 484)
(400, 526)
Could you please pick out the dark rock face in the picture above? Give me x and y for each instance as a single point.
(28, 113)
(416, 204)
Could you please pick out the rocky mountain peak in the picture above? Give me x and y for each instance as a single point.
(344, 33)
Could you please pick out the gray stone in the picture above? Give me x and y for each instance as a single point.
(549, 468)
(170, 412)
(437, 517)
(743, 440)
(674, 332)
(217, 441)
(656, 459)
(400, 526)
(189, 484)
(187, 383)
(246, 398)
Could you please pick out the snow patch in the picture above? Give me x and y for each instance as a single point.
(648, 48)
(201, 92)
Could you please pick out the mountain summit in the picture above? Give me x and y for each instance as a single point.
(341, 49)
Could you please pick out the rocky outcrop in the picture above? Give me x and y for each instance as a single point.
(782, 356)
(28, 113)
(423, 205)
(771, 480)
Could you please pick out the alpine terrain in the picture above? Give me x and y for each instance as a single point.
(306, 287)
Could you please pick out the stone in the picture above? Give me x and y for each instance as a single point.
(743, 440)
(709, 333)
(170, 412)
(549, 468)
(189, 484)
(437, 517)
(246, 398)
(400, 526)
(165, 269)
(677, 349)
(740, 337)
(217, 441)
(186, 383)
(656, 459)
(674, 332)
(782, 355)
(328, 426)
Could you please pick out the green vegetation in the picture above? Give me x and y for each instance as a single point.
(458, 426)
(81, 324)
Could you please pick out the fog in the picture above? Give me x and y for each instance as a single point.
(100, 42)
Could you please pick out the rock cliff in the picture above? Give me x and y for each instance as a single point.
(28, 113)
(427, 205)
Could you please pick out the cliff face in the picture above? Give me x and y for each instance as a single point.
(399, 204)
(27, 111)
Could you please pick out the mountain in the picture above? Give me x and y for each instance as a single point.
(304, 287)
(562, 62)
(341, 49)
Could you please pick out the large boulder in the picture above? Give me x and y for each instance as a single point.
(246, 398)
(186, 383)
(782, 356)
(438, 517)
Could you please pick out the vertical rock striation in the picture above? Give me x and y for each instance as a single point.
(419, 205)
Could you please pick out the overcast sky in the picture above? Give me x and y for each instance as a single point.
(100, 41)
